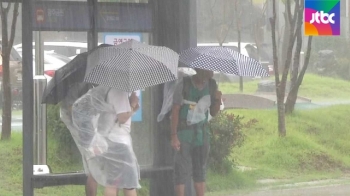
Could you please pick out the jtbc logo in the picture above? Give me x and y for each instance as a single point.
(324, 17)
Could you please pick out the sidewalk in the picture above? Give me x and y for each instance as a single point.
(15, 118)
(330, 190)
(332, 187)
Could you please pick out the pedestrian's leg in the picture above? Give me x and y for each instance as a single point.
(91, 186)
(180, 190)
(110, 191)
(199, 159)
(200, 188)
(130, 192)
(182, 168)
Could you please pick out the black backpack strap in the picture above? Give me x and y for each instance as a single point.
(212, 89)
(186, 87)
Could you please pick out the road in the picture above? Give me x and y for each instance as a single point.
(330, 190)
(16, 123)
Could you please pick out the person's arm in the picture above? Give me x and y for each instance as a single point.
(174, 119)
(134, 105)
(175, 142)
(123, 117)
(175, 113)
(215, 107)
(124, 108)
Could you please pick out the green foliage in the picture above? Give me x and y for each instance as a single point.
(226, 133)
(339, 45)
(232, 180)
(316, 144)
(58, 131)
(343, 68)
(11, 171)
(316, 147)
(315, 87)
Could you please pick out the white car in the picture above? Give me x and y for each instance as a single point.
(68, 49)
(231, 45)
(52, 62)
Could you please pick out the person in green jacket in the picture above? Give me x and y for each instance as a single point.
(190, 136)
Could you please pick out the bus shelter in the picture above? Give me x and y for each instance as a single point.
(159, 22)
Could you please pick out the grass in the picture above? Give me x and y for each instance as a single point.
(11, 170)
(317, 88)
(316, 144)
(14, 112)
(316, 147)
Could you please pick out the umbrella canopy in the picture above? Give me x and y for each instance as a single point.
(222, 59)
(131, 66)
(71, 73)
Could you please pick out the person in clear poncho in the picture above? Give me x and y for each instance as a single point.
(101, 122)
(75, 91)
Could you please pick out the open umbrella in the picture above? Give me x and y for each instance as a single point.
(131, 66)
(66, 76)
(222, 59)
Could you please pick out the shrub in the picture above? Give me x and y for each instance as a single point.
(343, 68)
(226, 133)
(58, 131)
(339, 45)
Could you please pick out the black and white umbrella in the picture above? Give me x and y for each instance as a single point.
(131, 66)
(67, 76)
(222, 59)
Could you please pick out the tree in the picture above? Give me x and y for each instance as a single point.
(296, 76)
(7, 43)
(230, 18)
(238, 16)
(224, 24)
(295, 22)
(257, 31)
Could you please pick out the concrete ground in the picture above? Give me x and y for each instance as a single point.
(328, 190)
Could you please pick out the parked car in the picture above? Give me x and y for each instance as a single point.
(52, 62)
(68, 49)
(15, 64)
(231, 45)
(15, 74)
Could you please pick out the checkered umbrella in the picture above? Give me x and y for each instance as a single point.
(131, 66)
(222, 59)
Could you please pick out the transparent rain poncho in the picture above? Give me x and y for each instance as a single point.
(90, 120)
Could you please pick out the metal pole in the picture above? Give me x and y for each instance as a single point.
(39, 109)
(92, 34)
(27, 83)
(347, 19)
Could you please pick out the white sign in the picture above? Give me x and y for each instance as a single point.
(118, 38)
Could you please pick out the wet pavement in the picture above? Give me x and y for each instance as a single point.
(16, 123)
(329, 190)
